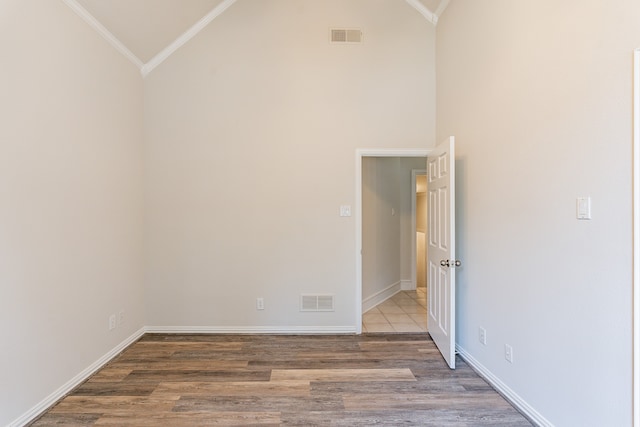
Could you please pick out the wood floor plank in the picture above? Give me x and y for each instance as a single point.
(187, 365)
(118, 388)
(258, 403)
(67, 420)
(435, 418)
(221, 418)
(190, 345)
(395, 401)
(142, 376)
(240, 355)
(383, 345)
(110, 374)
(321, 364)
(351, 375)
(114, 404)
(372, 388)
(235, 389)
(363, 356)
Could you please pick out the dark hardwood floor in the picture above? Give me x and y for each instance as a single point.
(345, 380)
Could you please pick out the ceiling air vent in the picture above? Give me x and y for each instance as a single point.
(346, 35)
(310, 302)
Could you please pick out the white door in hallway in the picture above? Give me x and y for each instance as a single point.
(441, 249)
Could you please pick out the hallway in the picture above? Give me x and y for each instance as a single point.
(404, 312)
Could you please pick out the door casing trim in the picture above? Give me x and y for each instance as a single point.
(636, 239)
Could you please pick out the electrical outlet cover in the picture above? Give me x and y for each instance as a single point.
(508, 353)
(482, 336)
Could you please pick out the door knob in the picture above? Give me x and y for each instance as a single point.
(450, 263)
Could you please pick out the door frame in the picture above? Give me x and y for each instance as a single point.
(371, 152)
(414, 251)
(636, 239)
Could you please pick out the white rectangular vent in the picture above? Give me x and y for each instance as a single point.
(346, 35)
(310, 302)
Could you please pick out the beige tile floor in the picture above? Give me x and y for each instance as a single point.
(404, 312)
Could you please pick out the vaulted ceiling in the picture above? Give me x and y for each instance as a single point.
(148, 31)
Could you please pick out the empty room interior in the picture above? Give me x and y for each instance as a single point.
(195, 167)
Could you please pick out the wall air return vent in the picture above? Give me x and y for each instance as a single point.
(314, 302)
(346, 35)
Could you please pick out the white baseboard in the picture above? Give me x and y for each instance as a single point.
(50, 400)
(381, 296)
(513, 398)
(407, 285)
(283, 330)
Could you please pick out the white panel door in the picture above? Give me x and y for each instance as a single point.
(441, 249)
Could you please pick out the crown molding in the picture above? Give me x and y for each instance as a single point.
(106, 34)
(430, 16)
(185, 37)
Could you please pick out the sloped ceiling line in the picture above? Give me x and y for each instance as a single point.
(106, 34)
(424, 11)
(443, 5)
(145, 69)
(185, 37)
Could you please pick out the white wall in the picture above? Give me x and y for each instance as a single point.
(538, 95)
(70, 200)
(260, 102)
(380, 225)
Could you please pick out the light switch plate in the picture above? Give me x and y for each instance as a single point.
(583, 208)
(345, 210)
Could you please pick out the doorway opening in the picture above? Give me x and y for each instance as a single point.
(386, 237)
(441, 261)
